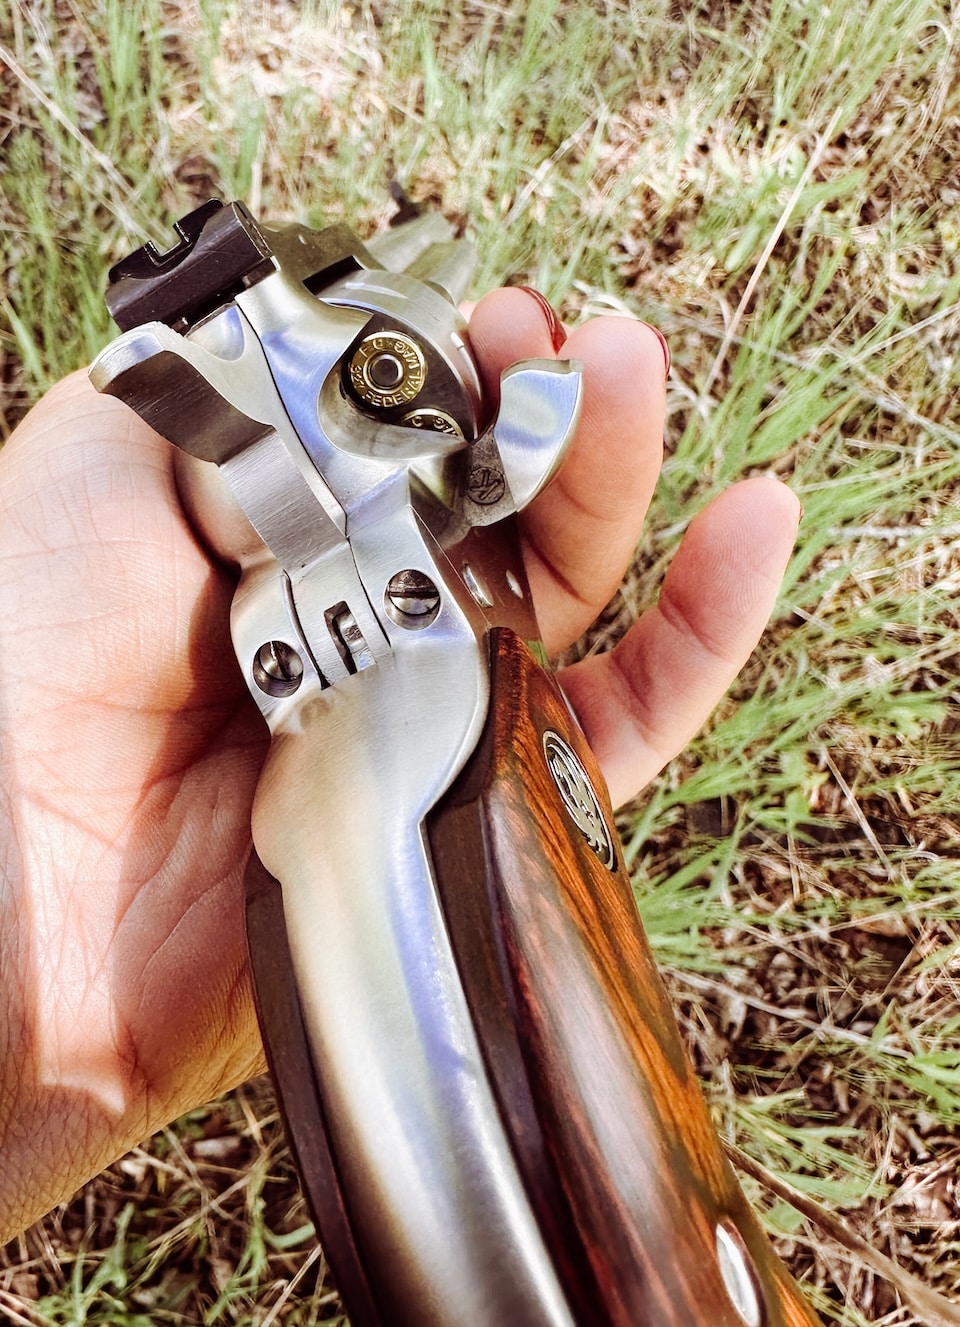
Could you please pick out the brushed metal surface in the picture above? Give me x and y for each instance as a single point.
(341, 503)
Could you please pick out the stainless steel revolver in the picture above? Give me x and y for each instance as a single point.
(483, 1084)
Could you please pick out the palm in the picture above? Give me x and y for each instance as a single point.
(130, 774)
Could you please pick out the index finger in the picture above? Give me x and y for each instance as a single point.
(580, 533)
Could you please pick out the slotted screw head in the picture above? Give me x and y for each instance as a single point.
(413, 594)
(277, 668)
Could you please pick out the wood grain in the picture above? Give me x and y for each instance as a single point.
(606, 1119)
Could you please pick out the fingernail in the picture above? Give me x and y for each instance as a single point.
(663, 345)
(557, 333)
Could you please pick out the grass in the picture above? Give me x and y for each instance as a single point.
(773, 183)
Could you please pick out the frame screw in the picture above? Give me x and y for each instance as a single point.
(739, 1278)
(413, 595)
(277, 668)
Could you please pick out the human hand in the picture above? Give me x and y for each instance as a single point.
(642, 702)
(130, 750)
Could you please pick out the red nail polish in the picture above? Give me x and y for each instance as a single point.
(663, 344)
(557, 333)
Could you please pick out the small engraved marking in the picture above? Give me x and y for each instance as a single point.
(486, 485)
(434, 421)
(579, 798)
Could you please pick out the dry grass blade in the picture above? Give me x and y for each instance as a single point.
(774, 183)
(99, 160)
(932, 1309)
(11, 1308)
(736, 322)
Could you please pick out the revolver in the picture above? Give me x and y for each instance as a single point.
(480, 1074)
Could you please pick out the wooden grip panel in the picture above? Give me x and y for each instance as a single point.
(605, 1116)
